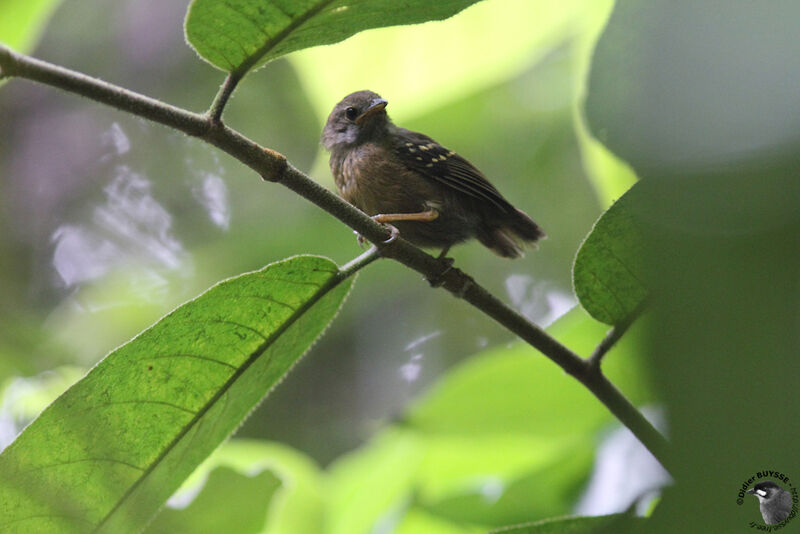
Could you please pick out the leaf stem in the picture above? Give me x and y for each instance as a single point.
(614, 335)
(352, 267)
(214, 113)
(273, 166)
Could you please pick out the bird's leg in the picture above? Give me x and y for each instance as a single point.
(384, 218)
(424, 216)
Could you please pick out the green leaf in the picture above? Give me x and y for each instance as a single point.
(608, 270)
(497, 496)
(578, 525)
(230, 501)
(107, 454)
(23, 20)
(373, 483)
(237, 35)
(297, 505)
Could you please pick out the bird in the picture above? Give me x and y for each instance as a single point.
(434, 197)
(775, 502)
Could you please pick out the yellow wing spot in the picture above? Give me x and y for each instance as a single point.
(434, 160)
(412, 150)
(429, 165)
(424, 147)
(419, 158)
(442, 158)
(451, 153)
(409, 144)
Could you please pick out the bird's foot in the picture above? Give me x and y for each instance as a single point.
(394, 233)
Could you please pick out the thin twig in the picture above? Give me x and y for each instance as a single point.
(614, 335)
(353, 266)
(273, 166)
(221, 99)
(611, 338)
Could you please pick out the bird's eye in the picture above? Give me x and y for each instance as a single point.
(351, 113)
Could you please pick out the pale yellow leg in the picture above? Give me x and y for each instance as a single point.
(424, 216)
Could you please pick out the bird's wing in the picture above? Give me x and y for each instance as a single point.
(424, 155)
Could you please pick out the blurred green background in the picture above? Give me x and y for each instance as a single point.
(109, 221)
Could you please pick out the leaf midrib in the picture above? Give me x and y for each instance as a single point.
(330, 284)
(252, 59)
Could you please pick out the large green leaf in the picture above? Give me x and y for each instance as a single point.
(107, 454)
(236, 35)
(608, 271)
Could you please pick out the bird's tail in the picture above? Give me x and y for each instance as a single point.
(508, 237)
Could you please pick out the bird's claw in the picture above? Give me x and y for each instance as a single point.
(394, 233)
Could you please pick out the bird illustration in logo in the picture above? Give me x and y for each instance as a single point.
(774, 501)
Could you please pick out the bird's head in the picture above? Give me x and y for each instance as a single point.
(359, 117)
(764, 491)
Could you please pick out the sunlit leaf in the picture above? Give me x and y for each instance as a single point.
(510, 490)
(484, 46)
(617, 523)
(230, 501)
(420, 521)
(296, 507)
(143, 419)
(22, 21)
(372, 485)
(236, 35)
(608, 271)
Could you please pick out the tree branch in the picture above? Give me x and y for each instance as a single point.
(273, 166)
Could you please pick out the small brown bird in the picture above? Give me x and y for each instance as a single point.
(432, 195)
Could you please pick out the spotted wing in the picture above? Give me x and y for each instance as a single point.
(424, 155)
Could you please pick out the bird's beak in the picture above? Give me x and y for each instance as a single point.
(751, 491)
(377, 106)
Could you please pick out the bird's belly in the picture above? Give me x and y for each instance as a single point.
(378, 187)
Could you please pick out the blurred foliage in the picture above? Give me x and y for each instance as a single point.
(485, 447)
(109, 222)
(23, 21)
(229, 502)
(578, 525)
(702, 102)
